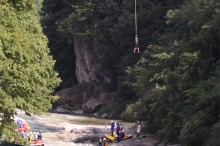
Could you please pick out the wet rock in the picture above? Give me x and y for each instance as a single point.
(95, 131)
(67, 109)
(91, 105)
(104, 115)
(88, 96)
(96, 115)
(64, 109)
(84, 139)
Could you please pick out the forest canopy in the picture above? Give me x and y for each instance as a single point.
(173, 83)
(175, 78)
(27, 70)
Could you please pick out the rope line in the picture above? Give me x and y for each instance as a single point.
(135, 15)
(136, 48)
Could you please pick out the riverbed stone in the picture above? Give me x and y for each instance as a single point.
(91, 105)
(104, 115)
(86, 96)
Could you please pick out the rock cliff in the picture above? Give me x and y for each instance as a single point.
(90, 80)
(87, 67)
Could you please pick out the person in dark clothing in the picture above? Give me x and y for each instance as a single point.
(118, 129)
(118, 132)
(39, 136)
(122, 134)
(112, 127)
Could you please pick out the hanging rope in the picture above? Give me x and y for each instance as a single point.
(136, 48)
(135, 16)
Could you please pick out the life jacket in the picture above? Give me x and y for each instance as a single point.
(35, 136)
(30, 138)
(39, 136)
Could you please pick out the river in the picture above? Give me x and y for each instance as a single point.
(66, 129)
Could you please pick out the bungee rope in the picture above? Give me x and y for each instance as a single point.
(136, 48)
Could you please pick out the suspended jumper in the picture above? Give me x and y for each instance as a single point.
(136, 48)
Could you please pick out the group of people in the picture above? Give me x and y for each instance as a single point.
(118, 133)
(33, 136)
(118, 130)
(115, 128)
(23, 128)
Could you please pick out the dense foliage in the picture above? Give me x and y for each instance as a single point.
(26, 68)
(175, 79)
(107, 22)
(183, 72)
(54, 11)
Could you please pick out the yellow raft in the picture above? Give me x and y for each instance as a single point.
(112, 138)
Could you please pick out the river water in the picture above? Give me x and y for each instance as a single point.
(63, 129)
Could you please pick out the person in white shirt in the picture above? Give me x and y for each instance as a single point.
(138, 136)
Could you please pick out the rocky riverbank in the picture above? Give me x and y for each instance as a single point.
(78, 130)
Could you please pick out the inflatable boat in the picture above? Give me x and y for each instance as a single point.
(23, 128)
(111, 138)
(37, 143)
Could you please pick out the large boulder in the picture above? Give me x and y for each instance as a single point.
(92, 105)
(78, 95)
(88, 97)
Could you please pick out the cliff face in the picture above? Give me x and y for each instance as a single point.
(87, 68)
(90, 79)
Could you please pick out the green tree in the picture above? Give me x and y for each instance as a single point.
(27, 71)
(107, 22)
(182, 70)
(53, 12)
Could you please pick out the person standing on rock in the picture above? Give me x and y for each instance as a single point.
(112, 127)
(118, 129)
(115, 126)
(138, 136)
